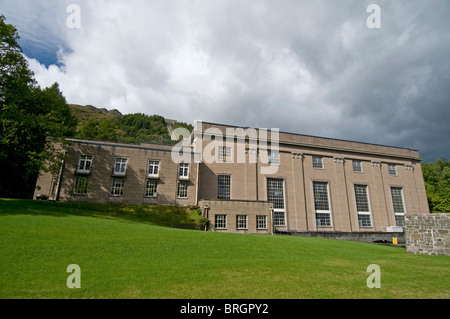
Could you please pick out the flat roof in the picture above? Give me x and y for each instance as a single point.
(312, 141)
(145, 146)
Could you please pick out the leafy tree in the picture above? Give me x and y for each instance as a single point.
(138, 128)
(189, 127)
(33, 121)
(437, 184)
(106, 131)
(89, 130)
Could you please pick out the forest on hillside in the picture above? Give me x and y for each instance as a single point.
(104, 125)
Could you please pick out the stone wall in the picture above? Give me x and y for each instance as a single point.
(428, 234)
(370, 237)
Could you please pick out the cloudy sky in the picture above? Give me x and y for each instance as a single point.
(303, 66)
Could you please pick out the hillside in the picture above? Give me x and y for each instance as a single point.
(89, 112)
(110, 125)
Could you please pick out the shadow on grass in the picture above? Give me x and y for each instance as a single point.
(161, 215)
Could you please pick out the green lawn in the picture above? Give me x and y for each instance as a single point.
(136, 257)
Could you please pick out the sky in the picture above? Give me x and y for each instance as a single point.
(310, 67)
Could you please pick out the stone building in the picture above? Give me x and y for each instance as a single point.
(252, 180)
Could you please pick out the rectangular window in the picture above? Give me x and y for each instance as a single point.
(261, 222)
(117, 186)
(323, 219)
(223, 186)
(362, 201)
(321, 196)
(274, 157)
(278, 218)
(321, 204)
(392, 169)
(357, 166)
(241, 221)
(220, 221)
(120, 166)
(84, 164)
(183, 170)
(182, 189)
(317, 162)
(400, 220)
(225, 154)
(362, 206)
(153, 168)
(397, 199)
(275, 194)
(399, 207)
(81, 185)
(151, 186)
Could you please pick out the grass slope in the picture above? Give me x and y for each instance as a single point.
(124, 258)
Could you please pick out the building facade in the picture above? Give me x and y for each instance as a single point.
(251, 180)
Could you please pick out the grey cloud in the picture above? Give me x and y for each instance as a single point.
(309, 67)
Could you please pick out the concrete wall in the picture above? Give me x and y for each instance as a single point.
(298, 174)
(428, 234)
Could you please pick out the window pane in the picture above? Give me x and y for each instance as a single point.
(153, 167)
(321, 203)
(220, 221)
(400, 220)
(151, 188)
(275, 192)
(85, 162)
(364, 220)
(223, 187)
(392, 169)
(81, 185)
(261, 222)
(117, 186)
(357, 167)
(321, 196)
(317, 162)
(274, 158)
(241, 221)
(278, 219)
(183, 170)
(362, 201)
(120, 165)
(397, 199)
(323, 219)
(224, 153)
(182, 189)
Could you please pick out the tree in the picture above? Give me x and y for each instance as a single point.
(88, 131)
(33, 121)
(437, 184)
(106, 131)
(138, 128)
